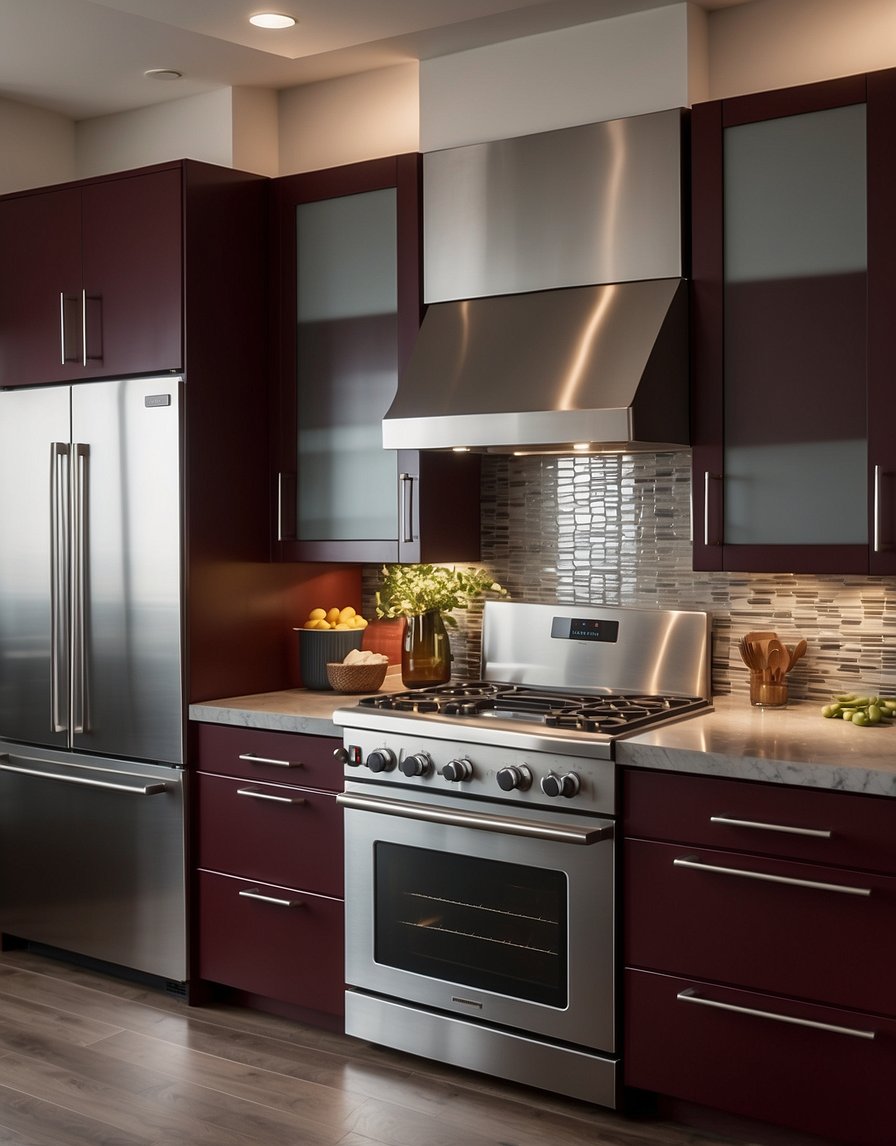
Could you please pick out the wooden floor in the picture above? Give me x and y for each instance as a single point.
(88, 1059)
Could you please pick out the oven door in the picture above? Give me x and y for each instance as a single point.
(502, 915)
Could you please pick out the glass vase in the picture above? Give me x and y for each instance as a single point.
(426, 651)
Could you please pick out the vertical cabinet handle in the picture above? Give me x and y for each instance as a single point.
(80, 501)
(62, 327)
(83, 327)
(76, 355)
(406, 508)
(59, 585)
(880, 545)
(708, 478)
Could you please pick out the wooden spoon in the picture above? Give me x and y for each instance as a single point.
(776, 664)
(798, 649)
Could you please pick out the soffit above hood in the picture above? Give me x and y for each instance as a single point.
(548, 371)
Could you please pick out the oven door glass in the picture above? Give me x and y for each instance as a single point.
(480, 923)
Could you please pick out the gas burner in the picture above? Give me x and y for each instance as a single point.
(606, 712)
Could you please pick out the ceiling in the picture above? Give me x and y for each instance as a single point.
(85, 58)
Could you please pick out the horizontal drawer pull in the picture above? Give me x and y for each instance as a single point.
(818, 833)
(252, 758)
(693, 862)
(256, 795)
(689, 996)
(255, 894)
(85, 781)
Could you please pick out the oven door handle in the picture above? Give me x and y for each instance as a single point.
(558, 833)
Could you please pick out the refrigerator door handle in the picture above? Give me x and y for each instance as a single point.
(80, 526)
(59, 598)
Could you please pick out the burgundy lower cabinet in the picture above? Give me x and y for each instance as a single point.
(763, 1057)
(269, 859)
(280, 943)
(760, 980)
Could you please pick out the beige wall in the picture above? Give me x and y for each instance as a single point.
(775, 43)
(603, 70)
(666, 57)
(197, 127)
(341, 121)
(38, 147)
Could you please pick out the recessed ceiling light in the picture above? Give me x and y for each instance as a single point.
(163, 74)
(271, 20)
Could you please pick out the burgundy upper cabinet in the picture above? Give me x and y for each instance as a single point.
(90, 279)
(347, 258)
(794, 289)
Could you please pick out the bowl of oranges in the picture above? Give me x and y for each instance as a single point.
(327, 636)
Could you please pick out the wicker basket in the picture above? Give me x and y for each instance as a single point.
(357, 677)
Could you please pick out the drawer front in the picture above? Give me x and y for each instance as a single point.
(290, 953)
(732, 927)
(810, 1078)
(272, 832)
(855, 831)
(282, 757)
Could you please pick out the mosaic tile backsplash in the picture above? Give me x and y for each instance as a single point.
(615, 529)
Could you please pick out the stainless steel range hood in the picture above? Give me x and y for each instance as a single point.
(598, 367)
(557, 313)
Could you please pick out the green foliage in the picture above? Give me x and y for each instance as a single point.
(409, 589)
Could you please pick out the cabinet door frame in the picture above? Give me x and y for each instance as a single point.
(708, 124)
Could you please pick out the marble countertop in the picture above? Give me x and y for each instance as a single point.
(293, 710)
(793, 745)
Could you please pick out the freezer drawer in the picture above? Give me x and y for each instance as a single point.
(92, 858)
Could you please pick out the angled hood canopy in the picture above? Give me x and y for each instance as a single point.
(591, 368)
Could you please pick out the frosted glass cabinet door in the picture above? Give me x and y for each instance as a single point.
(795, 458)
(793, 292)
(346, 247)
(347, 366)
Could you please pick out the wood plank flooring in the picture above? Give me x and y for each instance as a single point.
(89, 1059)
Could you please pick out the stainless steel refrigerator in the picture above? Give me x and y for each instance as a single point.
(91, 671)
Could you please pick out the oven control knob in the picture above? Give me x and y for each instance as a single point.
(417, 765)
(381, 760)
(457, 770)
(566, 785)
(514, 776)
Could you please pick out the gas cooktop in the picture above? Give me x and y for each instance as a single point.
(607, 711)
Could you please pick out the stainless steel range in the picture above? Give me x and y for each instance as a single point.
(480, 842)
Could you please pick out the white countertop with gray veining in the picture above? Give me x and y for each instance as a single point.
(792, 745)
(292, 710)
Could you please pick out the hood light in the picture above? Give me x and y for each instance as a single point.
(162, 74)
(271, 20)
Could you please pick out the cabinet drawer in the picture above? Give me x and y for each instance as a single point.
(812, 1079)
(283, 757)
(281, 834)
(815, 942)
(856, 831)
(290, 953)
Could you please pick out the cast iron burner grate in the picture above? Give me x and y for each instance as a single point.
(608, 713)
